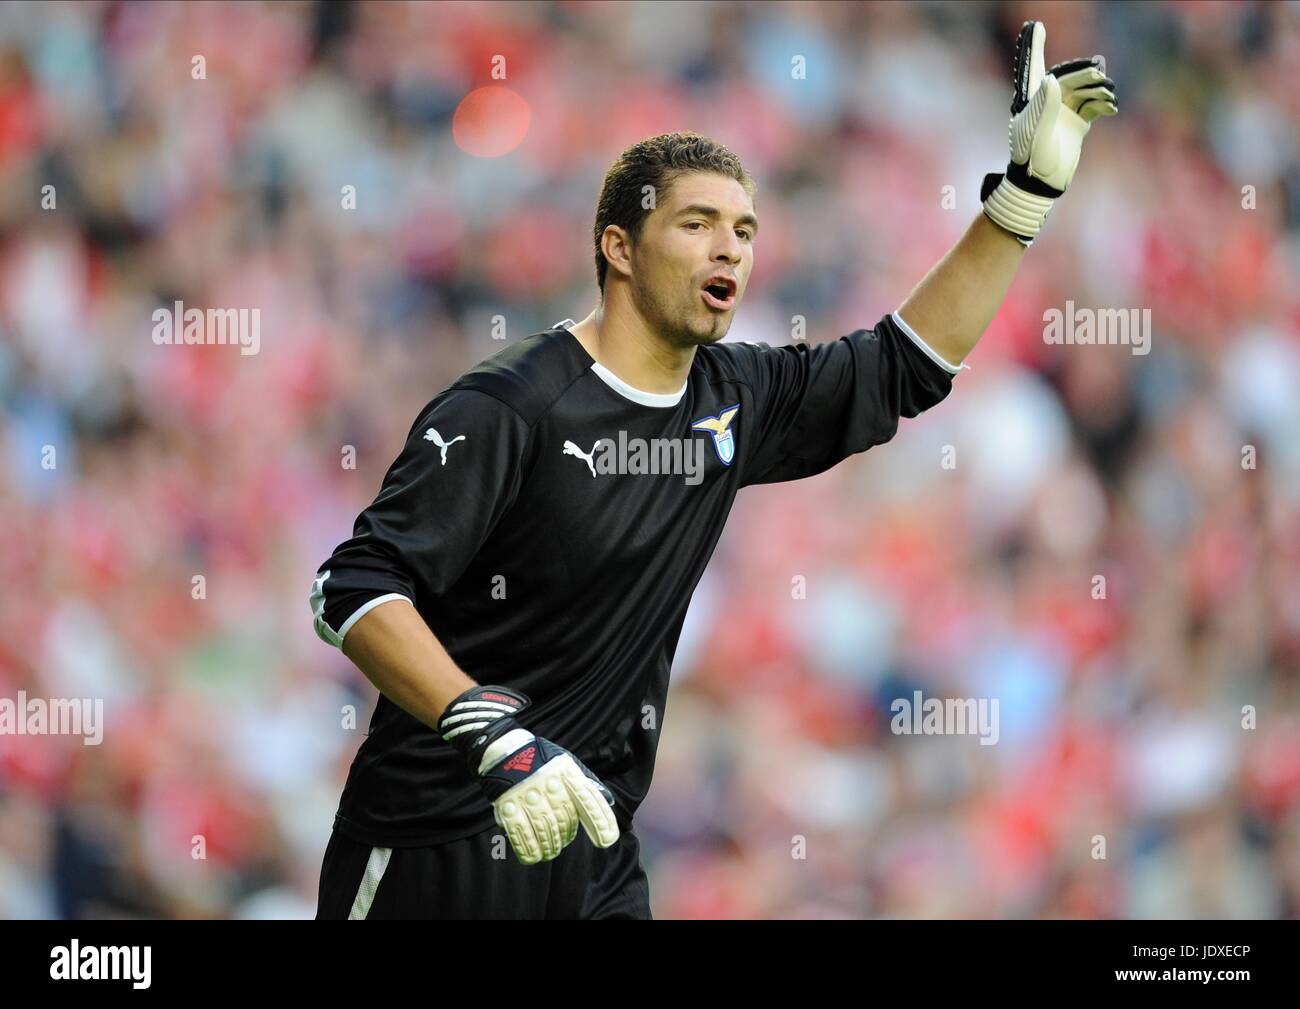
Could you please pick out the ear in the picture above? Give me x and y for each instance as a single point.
(616, 243)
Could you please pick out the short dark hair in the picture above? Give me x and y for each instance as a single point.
(656, 161)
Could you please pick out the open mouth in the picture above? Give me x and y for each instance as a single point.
(720, 293)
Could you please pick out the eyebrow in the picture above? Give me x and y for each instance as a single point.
(701, 210)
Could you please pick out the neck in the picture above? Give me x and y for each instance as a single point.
(623, 343)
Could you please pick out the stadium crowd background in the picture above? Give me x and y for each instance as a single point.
(1121, 718)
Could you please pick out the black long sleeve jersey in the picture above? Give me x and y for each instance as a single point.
(549, 523)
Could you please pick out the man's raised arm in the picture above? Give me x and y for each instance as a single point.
(1052, 112)
(953, 305)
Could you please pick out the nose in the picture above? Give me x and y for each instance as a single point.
(728, 249)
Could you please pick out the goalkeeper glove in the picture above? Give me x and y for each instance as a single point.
(540, 792)
(1051, 114)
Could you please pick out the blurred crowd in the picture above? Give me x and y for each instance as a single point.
(1108, 543)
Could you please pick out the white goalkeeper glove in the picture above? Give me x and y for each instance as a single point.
(540, 792)
(1052, 112)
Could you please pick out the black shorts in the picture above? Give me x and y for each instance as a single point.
(480, 877)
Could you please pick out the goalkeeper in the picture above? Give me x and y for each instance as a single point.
(517, 588)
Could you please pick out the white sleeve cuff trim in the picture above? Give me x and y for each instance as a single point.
(951, 369)
(323, 630)
(365, 608)
(327, 633)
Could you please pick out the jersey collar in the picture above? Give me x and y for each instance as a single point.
(657, 399)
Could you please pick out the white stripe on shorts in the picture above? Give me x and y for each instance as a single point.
(370, 883)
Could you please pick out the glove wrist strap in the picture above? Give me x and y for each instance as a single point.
(503, 746)
(1017, 202)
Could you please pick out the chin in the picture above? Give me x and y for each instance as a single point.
(714, 330)
(721, 330)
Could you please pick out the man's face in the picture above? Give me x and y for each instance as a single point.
(702, 230)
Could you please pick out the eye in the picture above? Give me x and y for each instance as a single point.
(693, 224)
(744, 233)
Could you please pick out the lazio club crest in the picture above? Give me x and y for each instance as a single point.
(724, 439)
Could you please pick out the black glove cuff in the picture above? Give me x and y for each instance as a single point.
(1019, 177)
(479, 716)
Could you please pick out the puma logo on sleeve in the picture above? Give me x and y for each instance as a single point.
(433, 436)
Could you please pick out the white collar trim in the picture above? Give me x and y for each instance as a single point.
(660, 399)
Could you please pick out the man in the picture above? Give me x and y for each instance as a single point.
(517, 589)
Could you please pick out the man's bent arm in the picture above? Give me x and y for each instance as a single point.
(953, 305)
(398, 653)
